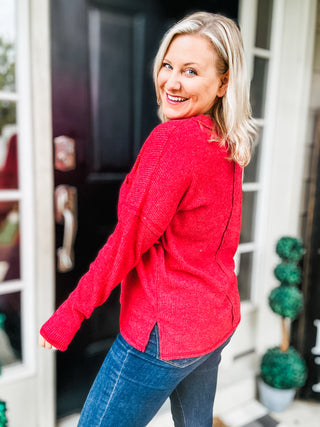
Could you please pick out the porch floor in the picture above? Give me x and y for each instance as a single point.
(300, 413)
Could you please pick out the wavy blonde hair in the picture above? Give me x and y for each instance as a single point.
(232, 112)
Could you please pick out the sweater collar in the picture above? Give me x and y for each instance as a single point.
(204, 120)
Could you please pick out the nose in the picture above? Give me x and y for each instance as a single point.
(173, 83)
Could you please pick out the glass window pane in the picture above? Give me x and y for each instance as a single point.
(9, 241)
(251, 172)
(264, 20)
(10, 329)
(8, 146)
(258, 86)
(248, 216)
(7, 45)
(244, 276)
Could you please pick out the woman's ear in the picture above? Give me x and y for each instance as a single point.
(224, 80)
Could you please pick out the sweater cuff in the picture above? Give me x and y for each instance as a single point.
(61, 327)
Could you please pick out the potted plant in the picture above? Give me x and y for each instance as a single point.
(283, 370)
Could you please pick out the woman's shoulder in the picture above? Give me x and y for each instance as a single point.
(195, 124)
(188, 137)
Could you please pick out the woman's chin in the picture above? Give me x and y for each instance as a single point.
(175, 115)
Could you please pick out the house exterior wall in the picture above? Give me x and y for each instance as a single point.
(283, 207)
(314, 107)
(284, 163)
(283, 172)
(30, 396)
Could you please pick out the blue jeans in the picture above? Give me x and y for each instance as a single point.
(131, 387)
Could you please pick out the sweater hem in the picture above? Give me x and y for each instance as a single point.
(166, 356)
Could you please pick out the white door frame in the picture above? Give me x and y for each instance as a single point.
(40, 37)
(29, 388)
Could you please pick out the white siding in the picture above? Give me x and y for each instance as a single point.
(314, 106)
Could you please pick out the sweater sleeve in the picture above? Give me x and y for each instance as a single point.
(148, 202)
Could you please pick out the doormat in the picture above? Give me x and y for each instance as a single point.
(265, 421)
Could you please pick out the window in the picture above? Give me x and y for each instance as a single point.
(16, 238)
(260, 57)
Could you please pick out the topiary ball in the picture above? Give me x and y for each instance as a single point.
(283, 370)
(3, 418)
(288, 273)
(287, 301)
(290, 249)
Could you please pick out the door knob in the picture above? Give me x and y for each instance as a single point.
(64, 153)
(66, 213)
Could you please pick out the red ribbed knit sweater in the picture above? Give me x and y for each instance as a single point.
(178, 229)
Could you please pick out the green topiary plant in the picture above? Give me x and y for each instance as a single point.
(3, 417)
(290, 249)
(288, 273)
(282, 367)
(286, 301)
(283, 370)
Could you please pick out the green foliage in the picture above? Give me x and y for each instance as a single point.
(288, 273)
(7, 82)
(290, 249)
(7, 113)
(280, 368)
(286, 301)
(7, 66)
(3, 418)
(283, 370)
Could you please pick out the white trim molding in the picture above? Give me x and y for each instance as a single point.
(285, 154)
(44, 209)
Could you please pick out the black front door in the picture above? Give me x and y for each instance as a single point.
(103, 108)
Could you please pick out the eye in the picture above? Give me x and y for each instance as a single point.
(191, 72)
(166, 65)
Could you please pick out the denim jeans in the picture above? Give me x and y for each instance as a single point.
(131, 387)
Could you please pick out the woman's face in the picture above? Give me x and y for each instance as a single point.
(188, 81)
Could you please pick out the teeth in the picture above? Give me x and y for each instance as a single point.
(176, 98)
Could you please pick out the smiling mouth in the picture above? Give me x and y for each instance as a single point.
(176, 98)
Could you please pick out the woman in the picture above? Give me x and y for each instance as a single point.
(173, 247)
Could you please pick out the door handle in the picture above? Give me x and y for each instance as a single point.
(64, 153)
(66, 213)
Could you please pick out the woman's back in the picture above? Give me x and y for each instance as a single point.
(186, 190)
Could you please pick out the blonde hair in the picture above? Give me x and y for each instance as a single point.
(232, 112)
